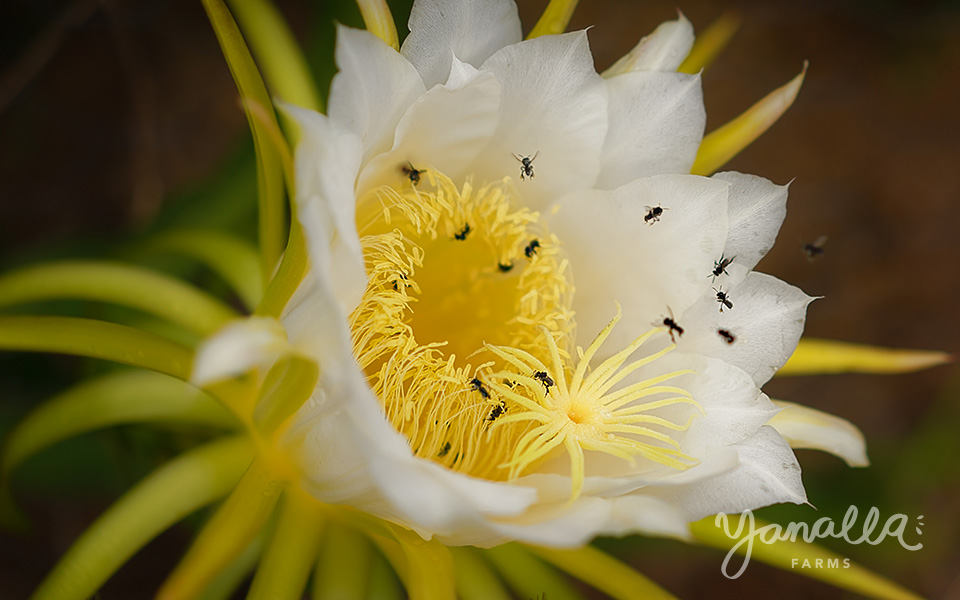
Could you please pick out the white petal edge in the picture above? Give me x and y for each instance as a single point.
(473, 31)
(805, 427)
(238, 347)
(656, 124)
(373, 89)
(663, 50)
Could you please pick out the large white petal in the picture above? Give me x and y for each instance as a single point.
(617, 257)
(440, 29)
(663, 50)
(553, 102)
(768, 473)
(373, 89)
(326, 164)
(445, 129)
(756, 209)
(805, 427)
(656, 124)
(766, 322)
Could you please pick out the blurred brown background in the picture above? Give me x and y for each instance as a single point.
(107, 109)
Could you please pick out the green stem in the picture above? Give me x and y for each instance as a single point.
(135, 287)
(529, 576)
(343, 568)
(172, 492)
(96, 339)
(293, 267)
(475, 578)
(292, 551)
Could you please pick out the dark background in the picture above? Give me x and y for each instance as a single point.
(117, 118)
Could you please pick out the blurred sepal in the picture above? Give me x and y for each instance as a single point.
(805, 427)
(817, 356)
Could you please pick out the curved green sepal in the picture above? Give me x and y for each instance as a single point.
(528, 575)
(175, 490)
(709, 44)
(554, 19)
(230, 257)
(288, 384)
(475, 578)
(224, 586)
(135, 287)
(292, 551)
(269, 168)
(124, 397)
(96, 339)
(238, 520)
(782, 553)
(816, 356)
(292, 269)
(343, 565)
(602, 571)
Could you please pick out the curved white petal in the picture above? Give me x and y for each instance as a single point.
(804, 427)
(326, 163)
(373, 89)
(617, 257)
(766, 322)
(553, 102)
(663, 50)
(440, 29)
(445, 129)
(768, 473)
(756, 208)
(237, 348)
(656, 124)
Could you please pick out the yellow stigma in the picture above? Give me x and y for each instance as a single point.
(452, 269)
(582, 413)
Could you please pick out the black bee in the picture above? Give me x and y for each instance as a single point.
(815, 250)
(720, 266)
(505, 267)
(444, 450)
(726, 335)
(531, 250)
(497, 411)
(412, 173)
(653, 214)
(526, 165)
(543, 378)
(462, 234)
(478, 386)
(672, 326)
(722, 298)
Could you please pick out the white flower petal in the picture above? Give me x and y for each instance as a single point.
(440, 29)
(326, 163)
(373, 89)
(445, 129)
(768, 473)
(663, 50)
(237, 348)
(553, 102)
(756, 208)
(617, 257)
(656, 124)
(766, 322)
(806, 427)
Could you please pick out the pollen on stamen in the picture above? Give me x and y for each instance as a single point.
(588, 412)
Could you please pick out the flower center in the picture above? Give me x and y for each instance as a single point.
(457, 272)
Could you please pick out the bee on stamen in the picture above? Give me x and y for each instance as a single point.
(653, 214)
(505, 267)
(412, 173)
(720, 267)
(462, 234)
(478, 386)
(444, 450)
(543, 378)
(726, 335)
(526, 165)
(497, 411)
(531, 250)
(723, 299)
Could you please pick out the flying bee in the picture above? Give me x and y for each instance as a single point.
(497, 411)
(722, 298)
(671, 325)
(720, 267)
(462, 234)
(526, 165)
(653, 214)
(413, 174)
(543, 378)
(531, 250)
(478, 386)
(726, 335)
(815, 250)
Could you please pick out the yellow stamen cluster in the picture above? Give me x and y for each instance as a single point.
(587, 412)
